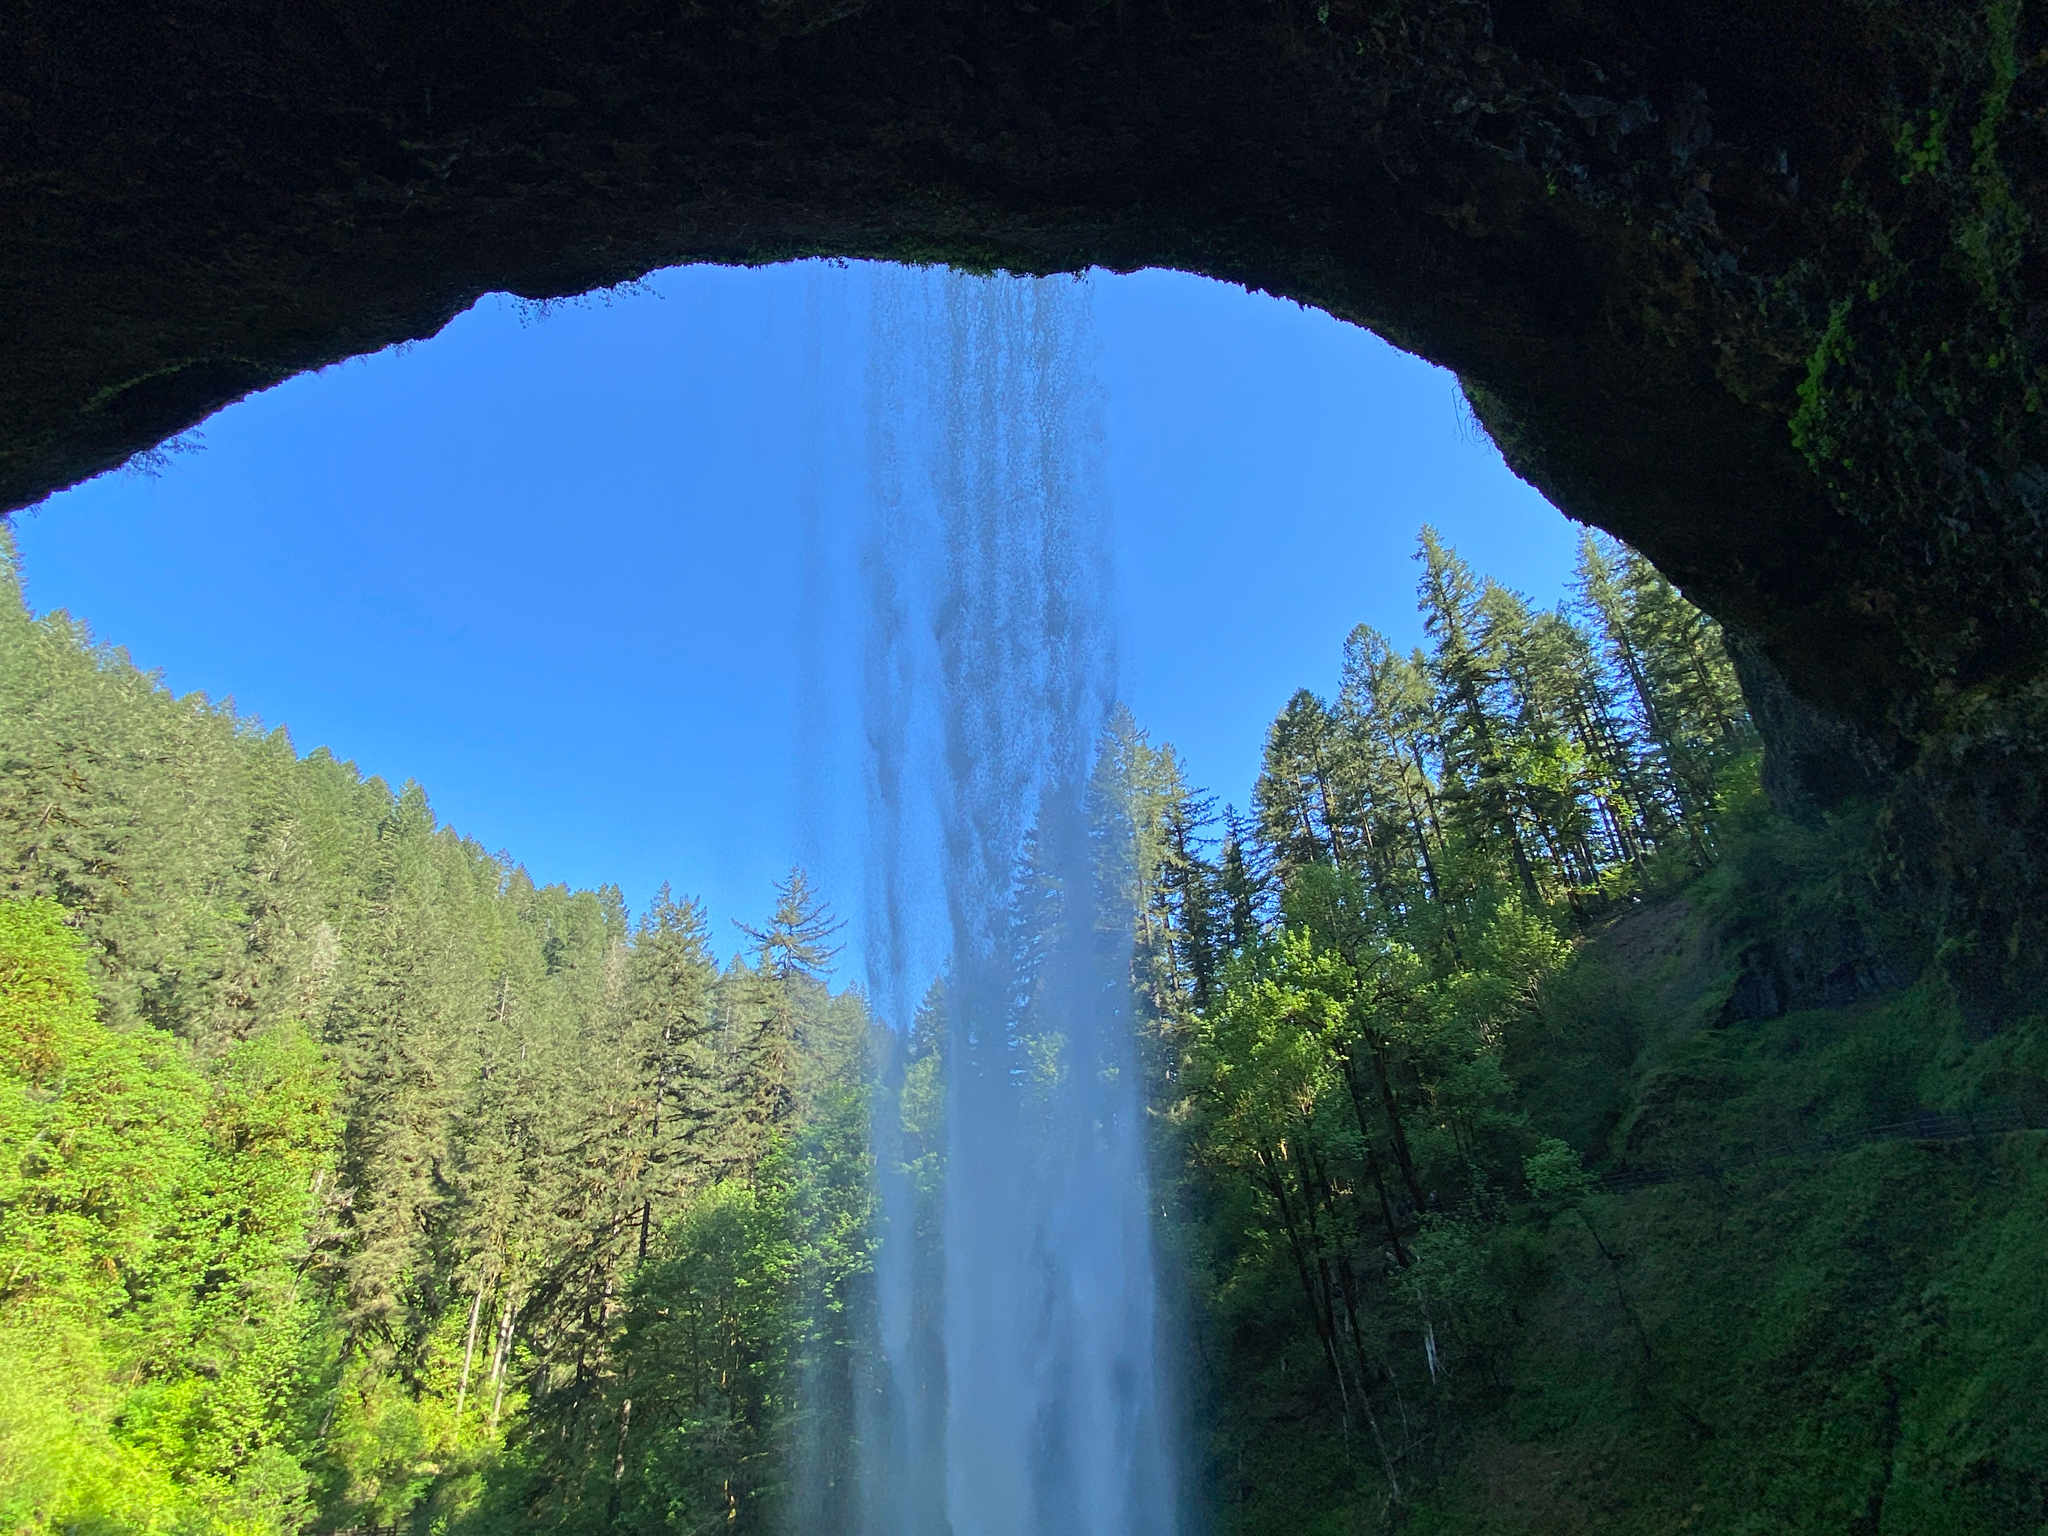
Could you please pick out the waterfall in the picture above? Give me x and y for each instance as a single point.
(1018, 1391)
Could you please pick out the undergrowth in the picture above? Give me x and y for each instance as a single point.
(1765, 1298)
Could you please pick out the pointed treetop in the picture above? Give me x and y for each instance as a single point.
(1447, 594)
(668, 915)
(795, 941)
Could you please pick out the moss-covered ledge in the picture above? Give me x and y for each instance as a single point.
(1755, 286)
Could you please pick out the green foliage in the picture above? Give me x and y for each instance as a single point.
(150, 1214)
(1519, 1086)
(1521, 1156)
(347, 1178)
(1555, 1172)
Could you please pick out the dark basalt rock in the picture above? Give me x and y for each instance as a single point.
(1755, 286)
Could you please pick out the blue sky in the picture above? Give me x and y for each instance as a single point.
(550, 565)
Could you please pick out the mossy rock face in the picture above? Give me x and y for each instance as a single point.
(1841, 1297)
(1755, 286)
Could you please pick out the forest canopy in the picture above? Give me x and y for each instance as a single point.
(349, 1180)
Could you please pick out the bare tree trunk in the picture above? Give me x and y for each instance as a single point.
(619, 1459)
(1276, 1186)
(1405, 1161)
(1379, 1182)
(500, 1358)
(476, 1308)
(1402, 1156)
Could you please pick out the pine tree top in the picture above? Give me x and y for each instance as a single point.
(795, 941)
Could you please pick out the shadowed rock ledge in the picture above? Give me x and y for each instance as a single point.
(1756, 287)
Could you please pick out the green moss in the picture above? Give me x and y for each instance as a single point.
(1809, 423)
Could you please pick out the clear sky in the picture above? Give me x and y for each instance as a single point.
(550, 565)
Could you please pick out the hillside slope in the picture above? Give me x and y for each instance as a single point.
(1792, 1281)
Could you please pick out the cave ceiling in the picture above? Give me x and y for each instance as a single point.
(1754, 286)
